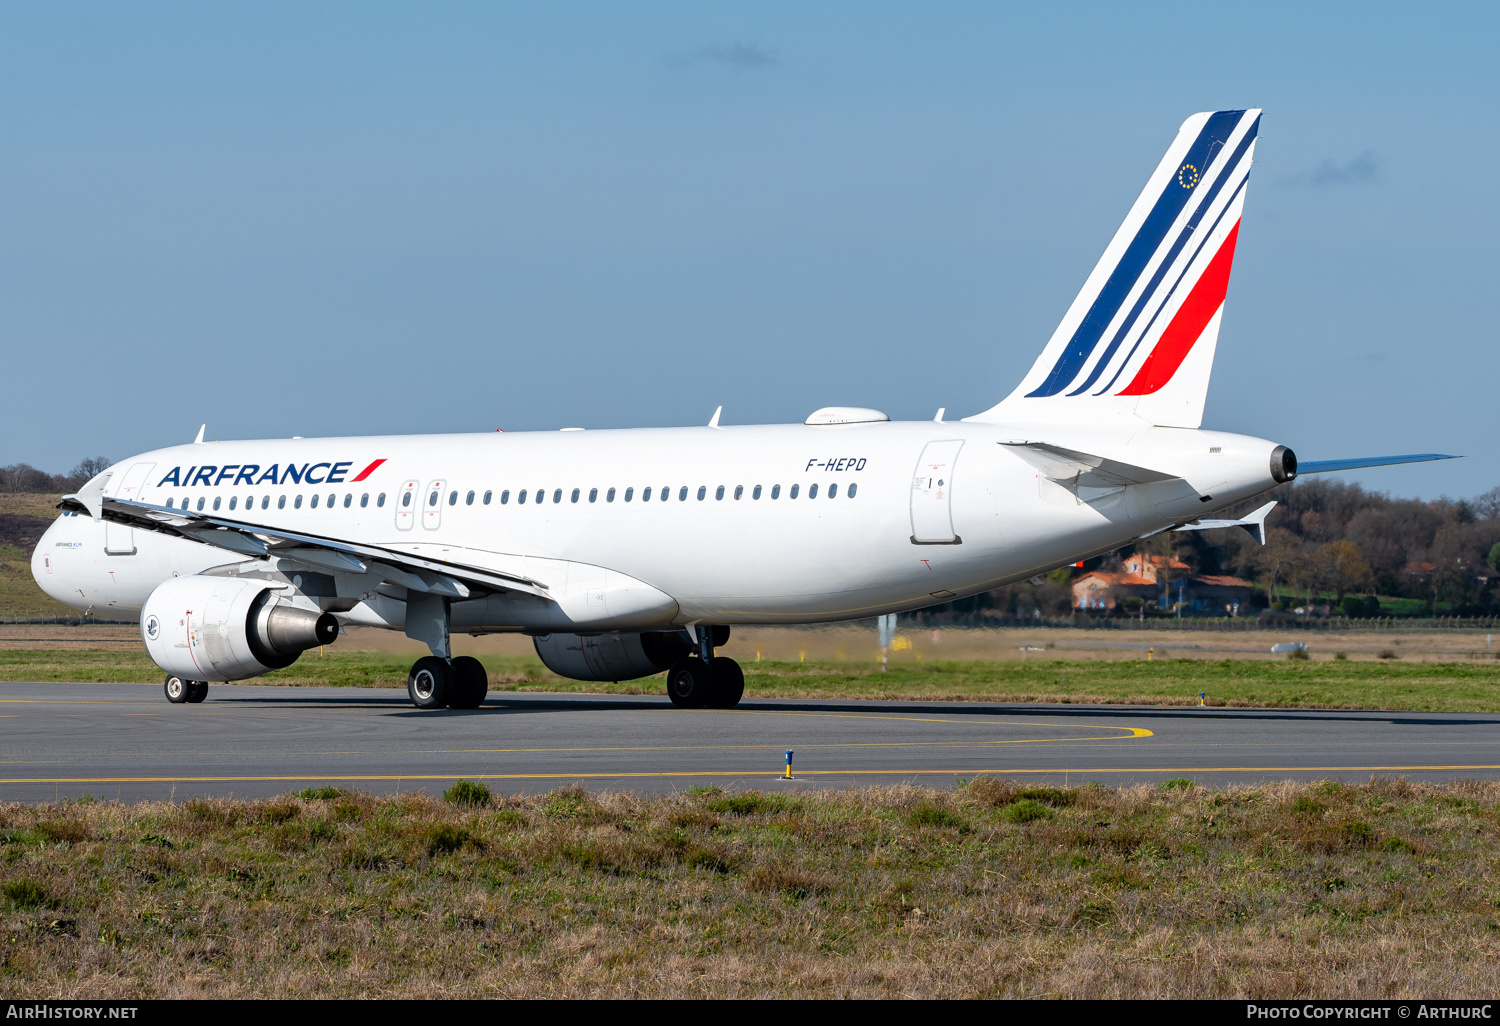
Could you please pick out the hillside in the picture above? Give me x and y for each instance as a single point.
(24, 517)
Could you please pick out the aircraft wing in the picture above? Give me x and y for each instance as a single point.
(1326, 466)
(1069, 466)
(257, 541)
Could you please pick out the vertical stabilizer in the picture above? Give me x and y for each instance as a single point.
(1138, 342)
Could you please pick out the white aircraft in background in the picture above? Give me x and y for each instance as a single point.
(624, 553)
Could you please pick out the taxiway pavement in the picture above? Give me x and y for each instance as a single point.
(125, 741)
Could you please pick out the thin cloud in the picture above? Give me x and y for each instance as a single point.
(1364, 169)
(736, 56)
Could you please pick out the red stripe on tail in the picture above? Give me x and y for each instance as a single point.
(367, 471)
(1188, 324)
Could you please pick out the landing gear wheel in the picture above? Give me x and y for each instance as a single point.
(470, 684)
(729, 683)
(197, 691)
(430, 682)
(178, 690)
(689, 683)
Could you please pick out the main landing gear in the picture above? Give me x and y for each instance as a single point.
(704, 679)
(180, 690)
(435, 683)
(439, 681)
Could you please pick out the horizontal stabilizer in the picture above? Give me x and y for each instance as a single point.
(1255, 523)
(1327, 466)
(1068, 466)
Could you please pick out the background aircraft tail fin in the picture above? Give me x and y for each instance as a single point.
(1138, 341)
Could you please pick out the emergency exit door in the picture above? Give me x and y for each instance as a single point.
(406, 505)
(931, 495)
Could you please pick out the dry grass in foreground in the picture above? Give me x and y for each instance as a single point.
(1290, 890)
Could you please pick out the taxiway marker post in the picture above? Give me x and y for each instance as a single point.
(788, 765)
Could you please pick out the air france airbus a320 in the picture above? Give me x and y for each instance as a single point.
(628, 552)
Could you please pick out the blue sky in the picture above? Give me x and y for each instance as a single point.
(361, 218)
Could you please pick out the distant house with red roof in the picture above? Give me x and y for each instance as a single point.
(1155, 579)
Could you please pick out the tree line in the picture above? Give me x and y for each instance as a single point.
(1332, 548)
(23, 477)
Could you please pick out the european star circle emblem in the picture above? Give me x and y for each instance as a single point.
(1187, 176)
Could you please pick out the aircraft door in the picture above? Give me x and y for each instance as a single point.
(406, 505)
(432, 505)
(119, 539)
(931, 492)
(133, 482)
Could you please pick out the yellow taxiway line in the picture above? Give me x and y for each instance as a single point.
(773, 774)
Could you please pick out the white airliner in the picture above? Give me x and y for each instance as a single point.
(628, 552)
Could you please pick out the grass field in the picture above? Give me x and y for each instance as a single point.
(1387, 890)
(1447, 687)
(20, 598)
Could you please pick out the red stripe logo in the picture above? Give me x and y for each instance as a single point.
(1188, 323)
(366, 472)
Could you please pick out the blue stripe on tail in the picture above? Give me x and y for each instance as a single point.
(1150, 291)
(1206, 147)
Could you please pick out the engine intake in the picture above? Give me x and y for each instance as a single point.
(227, 628)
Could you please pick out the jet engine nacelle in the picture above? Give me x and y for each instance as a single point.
(610, 656)
(228, 628)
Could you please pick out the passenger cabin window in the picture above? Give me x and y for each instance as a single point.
(505, 497)
(349, 499)
(406, 499)
(169, 503)
(313, 503)
(594, 494)
(755, 494)
(852, 489)
(739, 491)
(776, 491)
(682, 495)
(432, 500)
(793, 493)
(833, 491)
(609, 496)
(281, 502)
(232, 501)
(718, 494)
(645, 496)
(575, 494)
(469, 499)
(557, 495)
(521, 499)
(453, 497)
(216, 502)
(487, 497)
(380, 499)
(331, 500)
(812, 493)
(364, 500)
(297, 502)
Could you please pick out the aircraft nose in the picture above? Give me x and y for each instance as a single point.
(45, 568)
